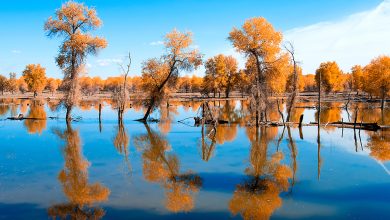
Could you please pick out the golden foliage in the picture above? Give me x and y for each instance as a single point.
(258, 197)
(163, 168)
(36, 122)
(379, 144)
(35, 77)
(221, 74)
(377, 77)
(74, 179)
(331, 77)
(73, 21)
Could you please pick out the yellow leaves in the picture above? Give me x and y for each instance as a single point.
(379, 144)
(377, 76)
(37, 121)
(258, 36)
(35, 77)
(72, 17)
(176, 41)
(331, 77)
(74, 177)
(221, 73)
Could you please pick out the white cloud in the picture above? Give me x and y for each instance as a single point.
(353, 40)
(16, 51)
(107, 62)
(156, 43)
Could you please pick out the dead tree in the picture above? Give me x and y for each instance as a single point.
(121, 97)
(294, 82)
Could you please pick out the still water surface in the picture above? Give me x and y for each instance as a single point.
(174, 170)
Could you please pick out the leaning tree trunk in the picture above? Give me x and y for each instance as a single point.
(159, 90)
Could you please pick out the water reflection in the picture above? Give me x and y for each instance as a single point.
(81, 194)
(36, 118)
(379, 145)
(160, 167)
(259, 195)
(121, 143)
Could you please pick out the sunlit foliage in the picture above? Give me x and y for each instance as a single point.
(35, 77)
(73, 21)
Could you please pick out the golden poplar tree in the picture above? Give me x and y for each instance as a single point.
(160, 75)
(35, 78)
(73, 22)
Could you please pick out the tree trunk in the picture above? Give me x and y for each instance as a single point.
(68, 112)
(150, 107)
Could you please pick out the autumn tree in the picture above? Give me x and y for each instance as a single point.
(196, 83)
(3, 84)
(309, 83)
(52, 85)
(331, 77)
(243, 83)
(357, 78)
(35, 77)
(74, 21)
(12, 83)
(223, 70)
(158, 75)
(22, 85)
(260, 43)
(378, 77)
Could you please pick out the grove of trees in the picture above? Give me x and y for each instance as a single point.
(270, 68)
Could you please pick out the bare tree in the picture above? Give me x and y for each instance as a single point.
(121, 96)
(293, 87)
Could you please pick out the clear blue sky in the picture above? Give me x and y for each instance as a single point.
(134, 25)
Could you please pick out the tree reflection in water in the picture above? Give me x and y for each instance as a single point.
(36, 122)
(258, 197)
(379, 144)
(74, 179)
(160, 167)
(121, 143)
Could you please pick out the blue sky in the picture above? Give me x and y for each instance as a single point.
(137, 26)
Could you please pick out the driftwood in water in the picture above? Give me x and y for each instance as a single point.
(362, 126)
(198, 121)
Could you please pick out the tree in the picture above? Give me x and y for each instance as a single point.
(243, 82)
(12, 83)
(378, 77)
(258, 41)
(22, 85)
(52, 85)
(73, 21)
(331, 77)
(3, 84)
(309, 82)
(157, 74)
(35, 77)
(121, 96)
(357, 78)
(223, 70)
(293, 87)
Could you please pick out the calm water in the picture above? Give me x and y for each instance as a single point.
(173, 170)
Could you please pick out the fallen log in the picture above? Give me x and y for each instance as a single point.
(362, 126)
(198, 121)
